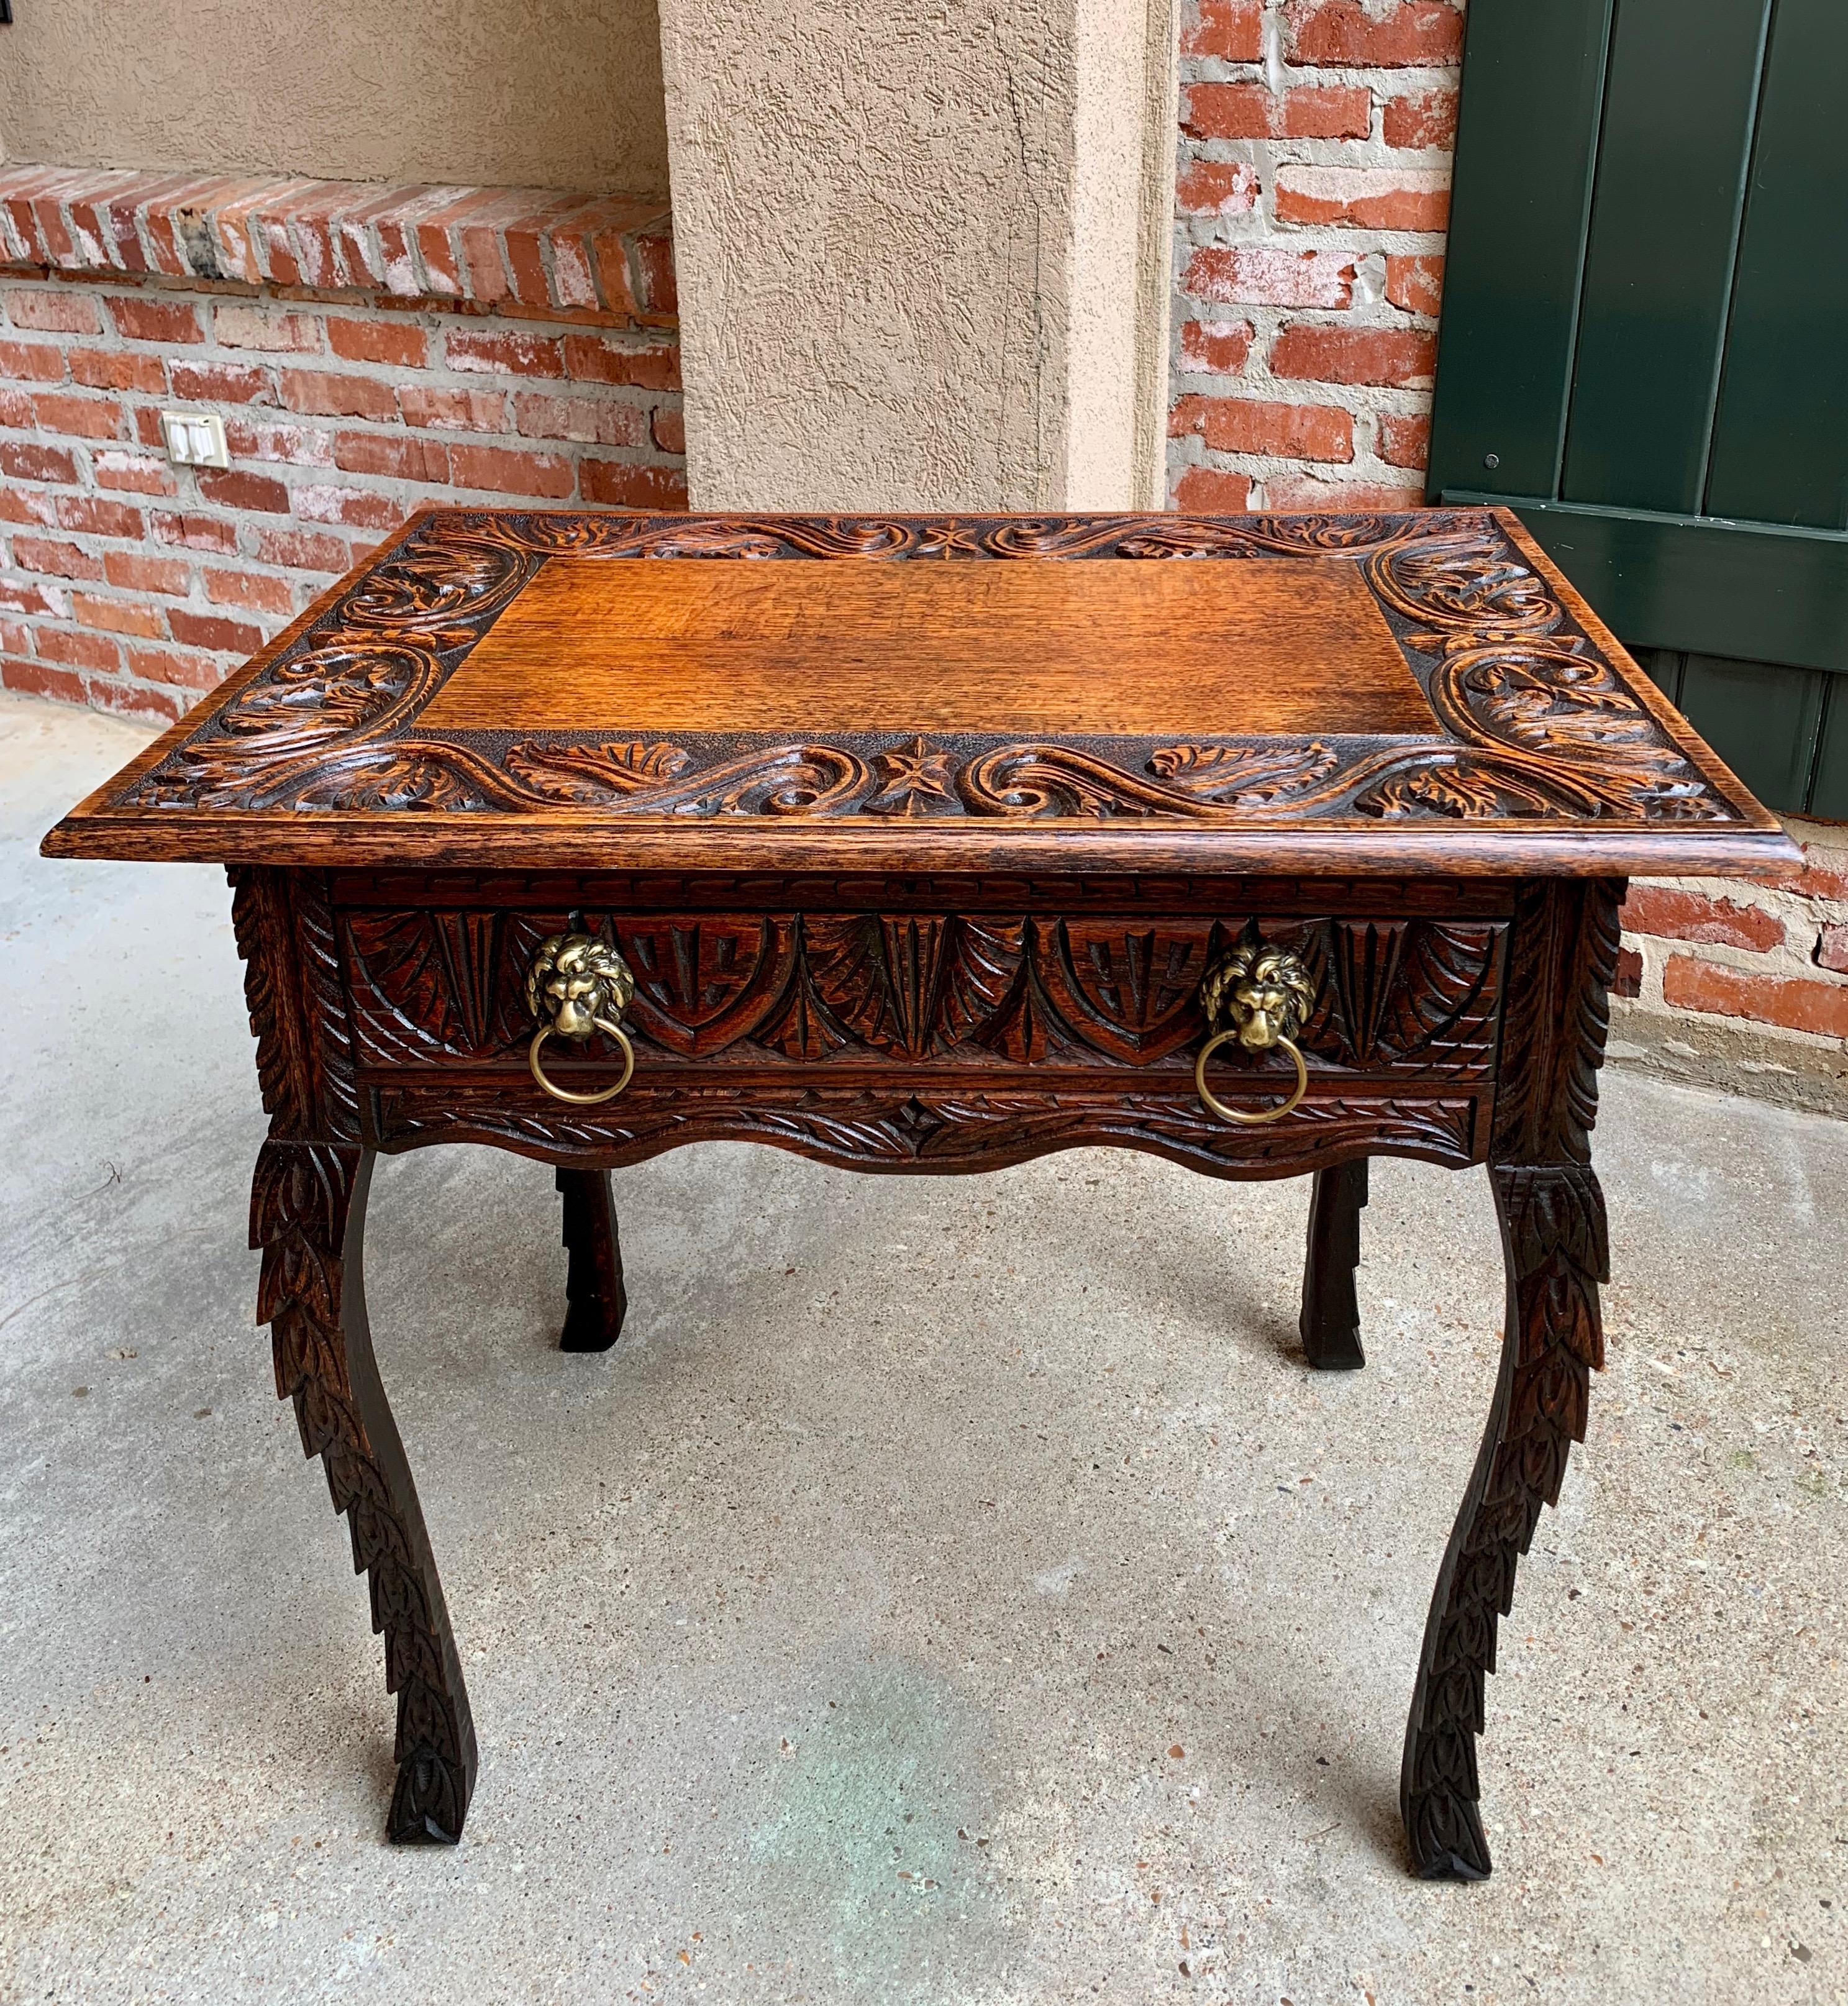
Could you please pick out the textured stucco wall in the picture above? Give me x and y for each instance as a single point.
(551, 94)
(908, 249)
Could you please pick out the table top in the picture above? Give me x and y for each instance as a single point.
(1349, 693)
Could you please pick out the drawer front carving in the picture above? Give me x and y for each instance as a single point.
(1416, 996)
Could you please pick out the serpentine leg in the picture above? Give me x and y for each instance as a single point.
(308, 1215)
(595, 1301)
(1330, 1323)
(1554, 1238)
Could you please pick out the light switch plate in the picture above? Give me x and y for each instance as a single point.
(195, 438)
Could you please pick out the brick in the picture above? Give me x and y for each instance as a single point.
(15, 638)
(131, 700)
(668, 428)
(1419, 118)
(118, 369)
(1251, 112)
(1215, 347)
(78, 649)
(1628, 981)
(147, 428)
(303, 550)
(590, 359)
(621, 484)
(168, 665)
(292, 446)
(1404, 439)
(275, 333)
(18, 596)
(236, 487)
(322, 391)
(504, 472)
(35, 679)
(120, 616)
(221, 383)
(30, 505)
(139, 319)
(66, 311)
(21, 459)
(212, 630)
(1792, 1001)
(396, 454)
(454, 410)
(1673, 914)
(32, 361)
(1346, 31)
(1232, 30)
(96, 515)
(135, 571)
(56, 560)
(1257, 275)
(1286, 432)
(396, 344)
(1825, 874)
(1315, 351)
(1207, 491)
(1216, 188)
(1415, 283)
(255, 591)
(506, 355)
(194, 532)
(1304, 491)
(81, 417)
(1376, 198)
(593, 420)
(133, 473)
(1832, 948)
(353, 506)
(16, 409)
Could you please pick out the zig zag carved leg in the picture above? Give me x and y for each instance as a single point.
(307, 1215)
(1554, 1237)
(595, 1299)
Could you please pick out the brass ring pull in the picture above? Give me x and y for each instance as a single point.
(577, 984)
(1226, 1114)
(1258, 996)
(564, 1092)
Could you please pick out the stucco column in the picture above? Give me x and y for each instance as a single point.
(923, 254)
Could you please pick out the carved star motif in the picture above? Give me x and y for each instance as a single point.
(912, 780)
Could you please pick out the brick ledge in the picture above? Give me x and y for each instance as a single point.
(608, 255)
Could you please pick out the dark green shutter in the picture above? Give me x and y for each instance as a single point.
(1644, 345)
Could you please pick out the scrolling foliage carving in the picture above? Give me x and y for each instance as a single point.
(444, 985)
(1532, 721)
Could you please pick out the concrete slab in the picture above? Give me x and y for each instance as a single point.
(947, 1591)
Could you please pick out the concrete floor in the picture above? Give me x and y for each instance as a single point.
(948, 1591)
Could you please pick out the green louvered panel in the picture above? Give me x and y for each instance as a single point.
(1655, 374)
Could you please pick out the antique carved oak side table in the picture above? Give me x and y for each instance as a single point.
(1267, 844)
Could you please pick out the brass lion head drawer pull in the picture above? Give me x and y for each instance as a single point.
(1260, 995)
(577, 984)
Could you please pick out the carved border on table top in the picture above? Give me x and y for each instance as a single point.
(1535, 723)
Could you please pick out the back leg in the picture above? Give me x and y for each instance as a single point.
(595, 1301)
(1331, 1317)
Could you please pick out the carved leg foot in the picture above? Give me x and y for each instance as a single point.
(1553, 1236)
(308, 1215)
(595, 1301)
(1331, 1318)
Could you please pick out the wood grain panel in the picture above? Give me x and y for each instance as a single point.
(1263, 647)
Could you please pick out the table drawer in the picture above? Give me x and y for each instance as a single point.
(825, 993)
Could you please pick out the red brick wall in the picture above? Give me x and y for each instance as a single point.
(1312, 194)
(457, 345)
